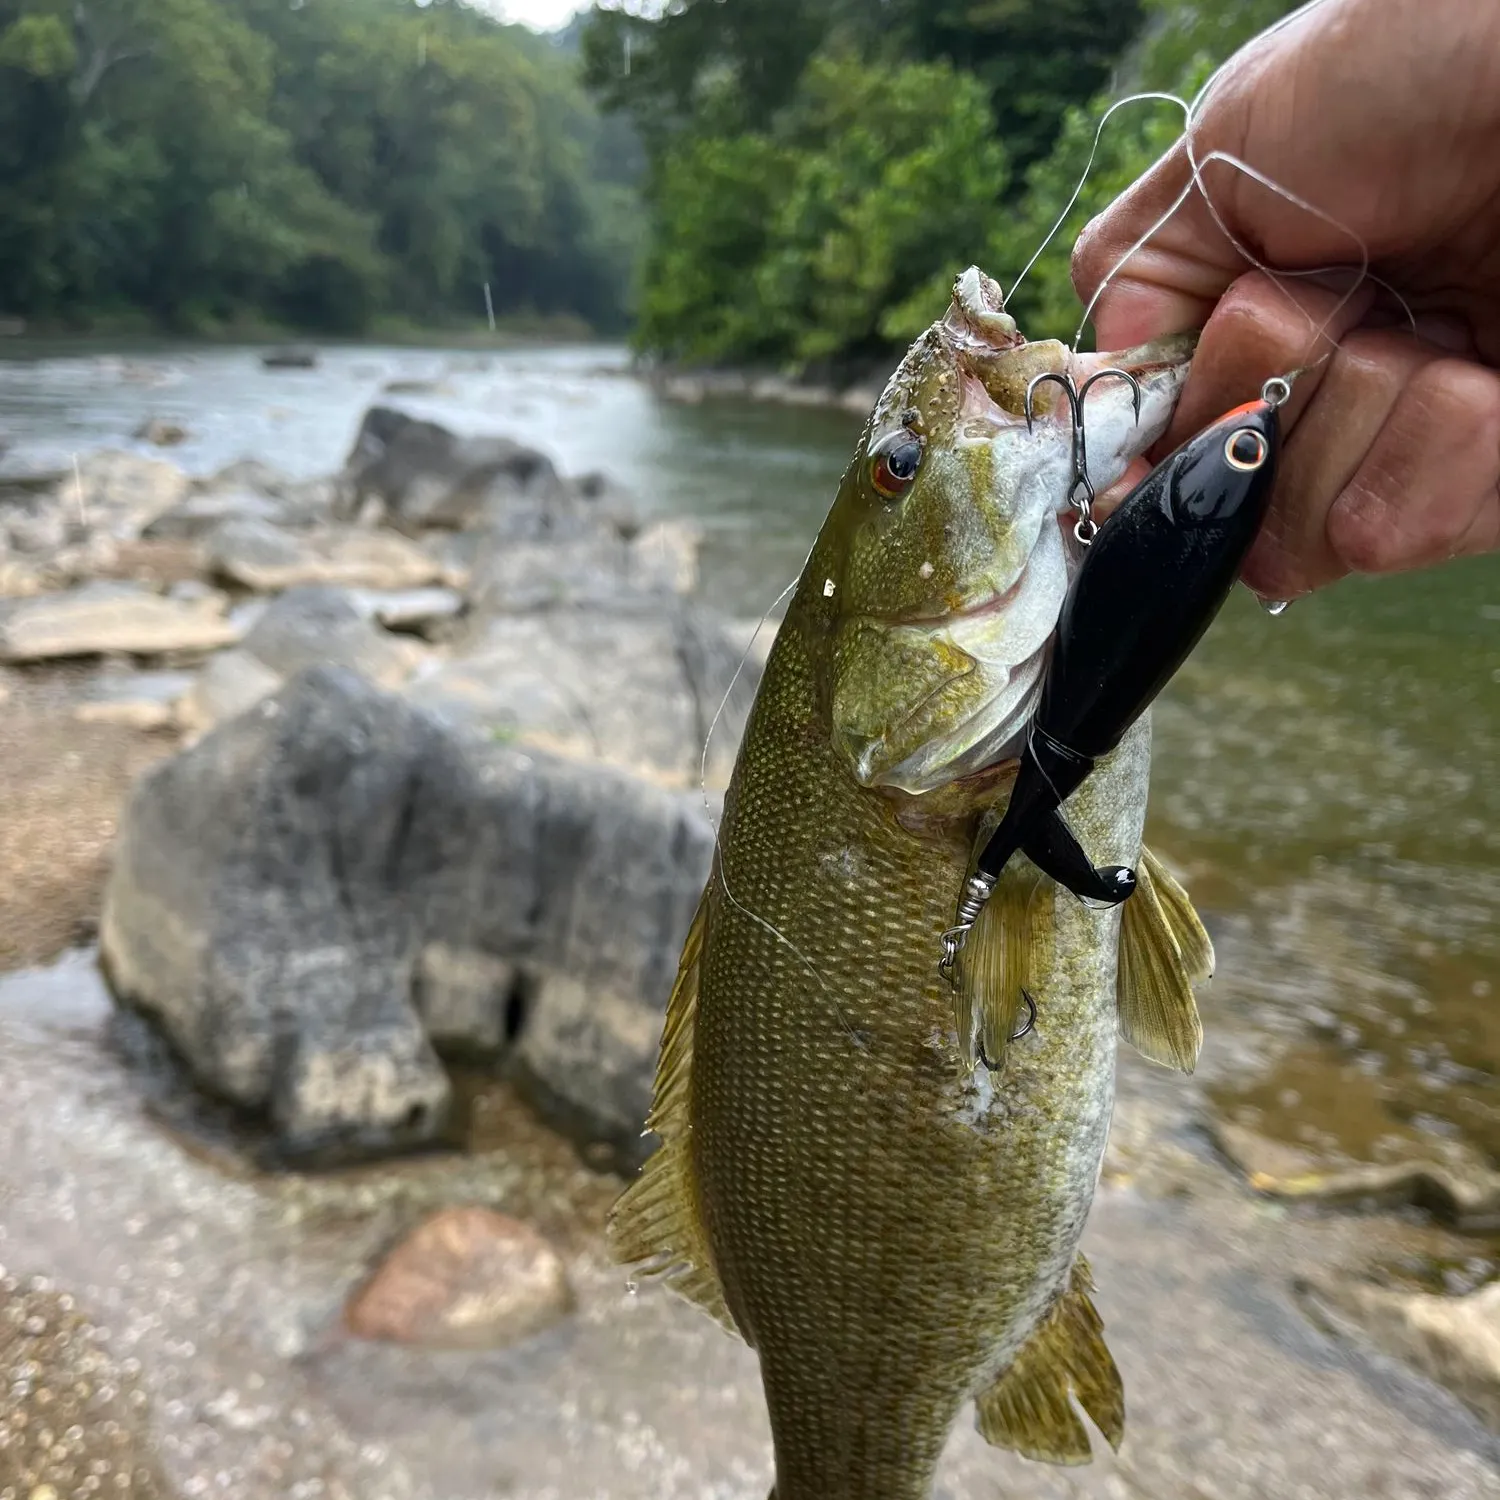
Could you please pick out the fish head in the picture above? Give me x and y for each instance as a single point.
(945, 559)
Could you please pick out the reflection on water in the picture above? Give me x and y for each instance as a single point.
(1329, 778)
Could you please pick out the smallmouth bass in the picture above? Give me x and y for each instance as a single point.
(843, 1179)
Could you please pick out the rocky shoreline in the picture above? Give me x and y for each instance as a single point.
(381, 795)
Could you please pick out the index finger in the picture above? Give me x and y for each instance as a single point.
(1172, 282)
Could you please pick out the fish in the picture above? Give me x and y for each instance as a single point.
(879, 1182)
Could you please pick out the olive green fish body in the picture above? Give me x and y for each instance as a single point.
(888, 1226)
(879, 1181)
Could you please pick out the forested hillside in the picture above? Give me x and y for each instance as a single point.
(819, 168)
(320, 163)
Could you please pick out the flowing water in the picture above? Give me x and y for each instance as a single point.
(1328, 779)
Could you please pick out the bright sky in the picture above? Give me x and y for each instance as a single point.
(544, 15)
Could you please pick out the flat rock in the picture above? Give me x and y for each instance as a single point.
(1453, 1340)
(260, 556)
(143, 700)
(203, 512)
(468, 1278)
(1463, 1191)
(103, 618)
(408, 609)
(314, 625)
(295, 900)
(294, 357)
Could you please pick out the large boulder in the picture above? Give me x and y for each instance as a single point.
(638, 687)
(319, 890)
(314, 626)
(423, 476)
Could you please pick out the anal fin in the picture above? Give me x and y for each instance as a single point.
(657, 1226)
(1028, 1409)
(1163, 951)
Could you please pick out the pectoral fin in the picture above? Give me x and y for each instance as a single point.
(992, 973)
(1163, 950)
(1028, 1409)
(656, 1226)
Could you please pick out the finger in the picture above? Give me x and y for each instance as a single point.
(1167, 285)
(1262, 328)
(1320, 457)
(1424, 488)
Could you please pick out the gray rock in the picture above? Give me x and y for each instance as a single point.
(102, 618)
(262, 557)
(295, 357)
(408, 609)
(291, 897)
(162, 433)
(231, 683)
(636, 689)
(428, 477)
(142, 700)
(205, 510)
(314, 625)
(599, 569)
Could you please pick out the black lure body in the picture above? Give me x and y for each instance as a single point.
(1152, 582)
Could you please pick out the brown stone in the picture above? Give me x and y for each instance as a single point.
(468, 1278)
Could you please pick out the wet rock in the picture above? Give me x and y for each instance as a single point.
(291, 896)
(102, 618)
(309, 626)
(144, 700)
(259, 556)
(69, 1411)
(638, 689)
(1462, 1192)
(469, 1278)
(416, 388)
(425, 476)
(162, 433)
(294, 357)
(231, 683)
(608, 502)
(1453, 1340)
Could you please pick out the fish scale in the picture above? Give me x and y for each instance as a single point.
(893, 1228)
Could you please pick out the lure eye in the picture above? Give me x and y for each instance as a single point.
(1245, 450)
(894, 464)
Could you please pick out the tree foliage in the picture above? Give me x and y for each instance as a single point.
(311, 161)
(820, 169)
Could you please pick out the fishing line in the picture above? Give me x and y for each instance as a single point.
(1191, 113)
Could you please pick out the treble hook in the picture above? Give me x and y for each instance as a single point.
(1015, 1036)
(1082, 491)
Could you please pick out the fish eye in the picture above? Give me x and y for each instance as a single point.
(894, 464)
(1245, 450)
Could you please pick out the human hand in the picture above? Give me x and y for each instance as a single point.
(1385, 114)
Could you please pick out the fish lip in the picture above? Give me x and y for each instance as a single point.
(989, 604)
(1159, 356)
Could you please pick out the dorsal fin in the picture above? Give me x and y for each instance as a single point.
(656, 1226)
(1163, 950)
(992, 971)
(1028, 1408)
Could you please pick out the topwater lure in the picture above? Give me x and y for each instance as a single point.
(1152, 581)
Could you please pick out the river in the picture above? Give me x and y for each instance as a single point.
(1329, 780)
